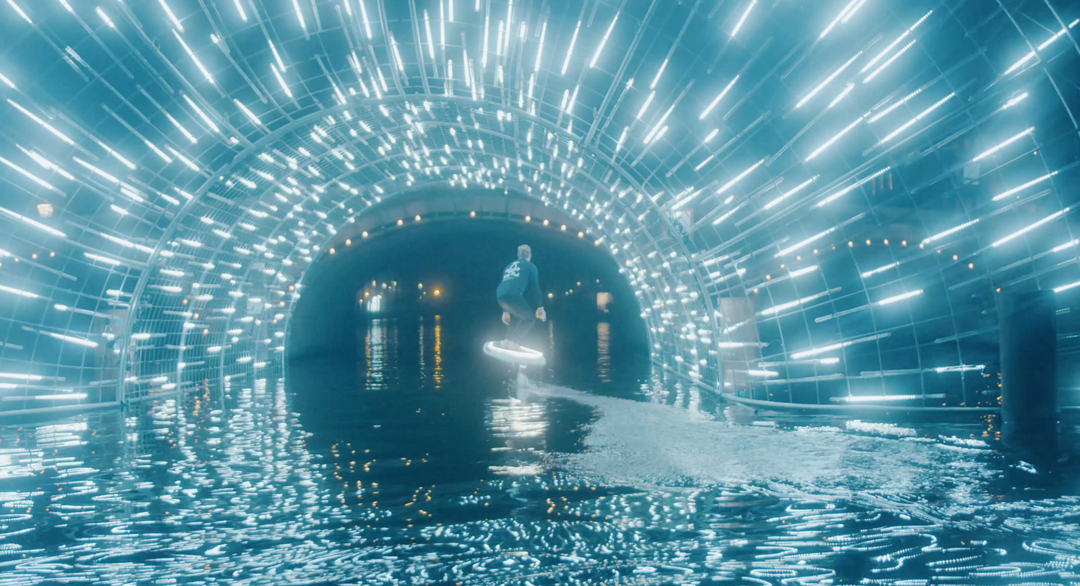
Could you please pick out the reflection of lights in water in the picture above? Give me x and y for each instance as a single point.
(438, 374)
(511, 418)
(375, 353)
(375, 305)
(603, 351)
(422, 363)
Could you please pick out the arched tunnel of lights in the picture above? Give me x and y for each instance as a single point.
(814, 201)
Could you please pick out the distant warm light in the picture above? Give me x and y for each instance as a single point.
(363, 234)
(332, 251)
(528, 218)
(400, 222)
(417, 218)
(45, 210)
(551, 295)
(348, 242)
(437, 292)
(545, 222)
(580, 234)
(472, 214)
(420, 286)
(564, 228)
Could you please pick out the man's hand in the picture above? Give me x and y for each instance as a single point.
(506, 317)
(541, 314)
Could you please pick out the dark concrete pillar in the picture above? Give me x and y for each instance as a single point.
(1029, 409)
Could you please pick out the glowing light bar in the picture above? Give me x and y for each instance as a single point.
(1067, 287)
(44, 124)
(243, 15)
(820, 87)
(921, 115)
(172, 16)
(397, 56)
(844, 15)
(248, 113)
(540, 49)
(837, 346)
(7, 81)
(719, 97)
(1069, 244)
(901, 297)
(895, 43)
(573, 41)
(19, 292)
(603, 42)
(743, 19)
(644, 107)
(29, 175)
(100, 258)
(881, 398)
(960, 368)
(299, 15)
(20, 11)
(191, 54)
(833, 140)
(776, 309)
(889, 62)
(1027, 229)
(72, 339)
(740, 177)
(1044, 45)
(847, 90)
(884, 112)
(717, 278)
(881, 269)
(20, 376)
(803, 271)
(850, 188)
(33, 223)
(1024, 186)
(1014, 101)
(784, 196)
(799, 245)
(281, 80)
(367, 24)
(1004, 144)
(658, 74)
(949, 232)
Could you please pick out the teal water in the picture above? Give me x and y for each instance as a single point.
(420, 461)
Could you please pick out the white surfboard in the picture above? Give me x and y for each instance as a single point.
(526, 356)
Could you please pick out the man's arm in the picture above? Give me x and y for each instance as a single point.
(533, 289)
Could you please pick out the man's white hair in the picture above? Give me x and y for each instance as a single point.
(524, 252)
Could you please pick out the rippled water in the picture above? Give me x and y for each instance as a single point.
(425, 463)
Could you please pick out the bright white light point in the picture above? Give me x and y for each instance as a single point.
(718, 98)
(194, 58)
(240, 9)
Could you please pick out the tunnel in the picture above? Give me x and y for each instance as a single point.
(785, 246)
(812, 219)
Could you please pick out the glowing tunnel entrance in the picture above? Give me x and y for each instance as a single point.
(816, 202)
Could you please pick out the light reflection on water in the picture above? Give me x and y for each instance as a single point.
(464, 478)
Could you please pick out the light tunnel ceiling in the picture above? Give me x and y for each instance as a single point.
(808, 196)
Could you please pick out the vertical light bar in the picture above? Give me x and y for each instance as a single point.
(743, 19)
(168, 11)
(367, 24)
(299, 14)
(243, 15)
(573, 41)
(427, 28)
(603, 41)
(540, 50)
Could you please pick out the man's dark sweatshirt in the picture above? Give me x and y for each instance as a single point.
(521, 278)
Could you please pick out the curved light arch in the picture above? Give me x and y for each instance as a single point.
(765, 62)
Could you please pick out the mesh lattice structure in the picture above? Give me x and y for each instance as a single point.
(815, 202)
